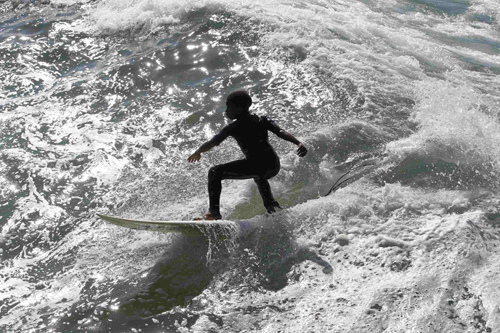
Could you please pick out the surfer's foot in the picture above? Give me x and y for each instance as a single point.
(273, 207)
(209, 217)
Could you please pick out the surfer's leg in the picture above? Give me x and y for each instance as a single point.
(214, 188)
(263, 183)
(241, 169)
(259, 170)
(267, 195)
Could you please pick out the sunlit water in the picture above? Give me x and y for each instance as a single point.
(101, 103)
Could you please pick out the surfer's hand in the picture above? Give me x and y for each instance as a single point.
(194, 158)
(301, 150)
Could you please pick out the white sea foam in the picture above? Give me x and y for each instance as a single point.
(454, 116)
(114, 15)
(487, 7)
(346, 39)
(391, 229)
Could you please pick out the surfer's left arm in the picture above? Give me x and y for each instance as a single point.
(301, 149)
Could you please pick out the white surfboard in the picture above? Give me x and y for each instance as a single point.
(185, 227)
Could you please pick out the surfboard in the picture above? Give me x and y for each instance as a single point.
(184, 227)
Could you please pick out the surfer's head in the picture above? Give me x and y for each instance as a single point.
(238, 103)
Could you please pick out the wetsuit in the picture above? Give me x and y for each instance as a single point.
(260, 163)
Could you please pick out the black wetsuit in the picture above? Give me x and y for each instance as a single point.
(260, 163)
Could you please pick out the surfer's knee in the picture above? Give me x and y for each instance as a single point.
(215, 172)
(272, 172)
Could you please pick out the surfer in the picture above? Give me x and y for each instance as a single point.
(261, 162)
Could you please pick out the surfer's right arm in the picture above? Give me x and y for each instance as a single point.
(215, 141)
(195, 157)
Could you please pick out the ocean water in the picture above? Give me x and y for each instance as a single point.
(101, 103)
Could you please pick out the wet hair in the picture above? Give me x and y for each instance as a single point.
(240, 98)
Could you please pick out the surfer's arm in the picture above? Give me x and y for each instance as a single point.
(215, 141)
(195, 157)
(301, 149)
(273, 127)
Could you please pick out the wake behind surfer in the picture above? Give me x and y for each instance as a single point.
(261, 161)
